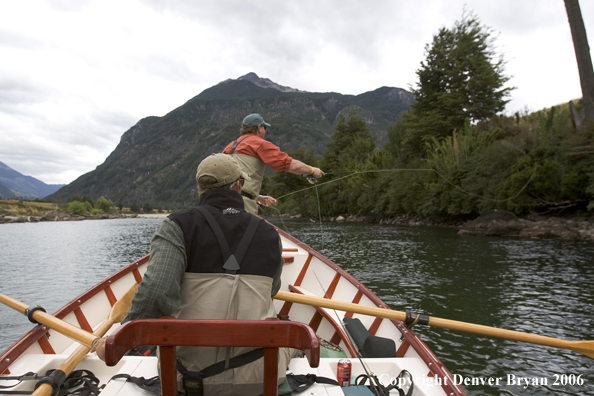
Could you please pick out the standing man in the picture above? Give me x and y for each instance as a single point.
(215, 261)
(253, 153)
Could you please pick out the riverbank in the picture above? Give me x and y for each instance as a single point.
(502, 223)
(61, 216)
(495, 223)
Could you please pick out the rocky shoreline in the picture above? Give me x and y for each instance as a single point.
(59, 216)
(576, 227)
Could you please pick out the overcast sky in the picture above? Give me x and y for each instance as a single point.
(76, 74)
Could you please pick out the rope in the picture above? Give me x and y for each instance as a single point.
(406, 170)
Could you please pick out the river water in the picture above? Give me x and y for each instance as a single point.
(543, 287)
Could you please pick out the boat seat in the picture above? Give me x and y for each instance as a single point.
(369, 346)
(270, 334)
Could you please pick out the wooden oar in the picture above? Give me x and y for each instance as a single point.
(62, 327)
(583, 347)
(116, 315)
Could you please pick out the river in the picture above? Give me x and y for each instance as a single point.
(543, 287)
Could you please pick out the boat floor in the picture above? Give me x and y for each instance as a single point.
(140, 366)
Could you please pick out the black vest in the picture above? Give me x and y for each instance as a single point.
(263, 255)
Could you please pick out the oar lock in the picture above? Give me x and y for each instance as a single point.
(413, 318)
(31, 310)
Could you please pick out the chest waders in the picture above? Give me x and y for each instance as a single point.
(193, 380)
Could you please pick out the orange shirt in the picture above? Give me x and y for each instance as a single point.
(269, 153)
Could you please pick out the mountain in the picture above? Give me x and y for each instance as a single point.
(156, 160)
(16, 185)
(5, 193)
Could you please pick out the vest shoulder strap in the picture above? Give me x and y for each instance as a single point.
(232, 260)
(235, 144)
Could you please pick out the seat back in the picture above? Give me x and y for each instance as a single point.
(269, 334)
(369, 346)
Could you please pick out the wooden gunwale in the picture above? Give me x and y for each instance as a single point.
(436, 367)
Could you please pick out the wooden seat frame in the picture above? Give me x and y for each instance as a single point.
(269, 334)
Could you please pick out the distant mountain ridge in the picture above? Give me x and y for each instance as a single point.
(14, 184)
(263, 83)
(156, 159)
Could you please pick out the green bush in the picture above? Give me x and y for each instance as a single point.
(77, 207)
(104, 205)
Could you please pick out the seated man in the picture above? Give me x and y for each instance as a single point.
(215, 261)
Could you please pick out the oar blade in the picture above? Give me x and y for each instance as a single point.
(121, 307)
(584, 347)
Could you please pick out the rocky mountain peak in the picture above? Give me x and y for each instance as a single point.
(266, 83)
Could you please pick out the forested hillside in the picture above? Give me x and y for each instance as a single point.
(156, 160)
(535, 163)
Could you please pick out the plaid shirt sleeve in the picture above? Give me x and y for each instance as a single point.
(159, 292)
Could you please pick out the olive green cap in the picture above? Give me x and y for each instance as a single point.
(222, 167)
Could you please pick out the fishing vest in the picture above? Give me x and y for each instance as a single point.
(208, 292)
(254, 167)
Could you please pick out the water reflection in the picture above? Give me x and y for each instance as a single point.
(51, 263)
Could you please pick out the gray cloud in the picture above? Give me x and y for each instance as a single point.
(75, 76)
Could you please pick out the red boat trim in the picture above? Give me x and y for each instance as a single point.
(137, 275)
(17, 349)
(435, 365)
(46, 347)
(332, 288)
(356, 300)
(316, 320)
(375, 325)
(290, 250)
(82, 320)
(288, 260)
(403, 348)
(284, 311)
(110, 296)
(303, 271)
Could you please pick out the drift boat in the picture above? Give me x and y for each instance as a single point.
(375, 346)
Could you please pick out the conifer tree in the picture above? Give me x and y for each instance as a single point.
(462, 77)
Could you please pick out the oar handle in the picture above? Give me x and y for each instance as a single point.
(583, 347)
(50, 321)
(340, 305)
(73, 360)
(117, 313)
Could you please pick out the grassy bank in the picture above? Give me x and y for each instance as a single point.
(17, 207)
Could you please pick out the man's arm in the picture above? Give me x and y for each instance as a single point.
(276, 280)
(159, 292)
(300, 168)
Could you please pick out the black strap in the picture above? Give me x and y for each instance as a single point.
(246, 194)
(231, 260)
(152, 385)
(79, 382)
(219, 367)
(301, 382)
(25, 377)
(235, 144)
(377, 388)
(193, 380)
